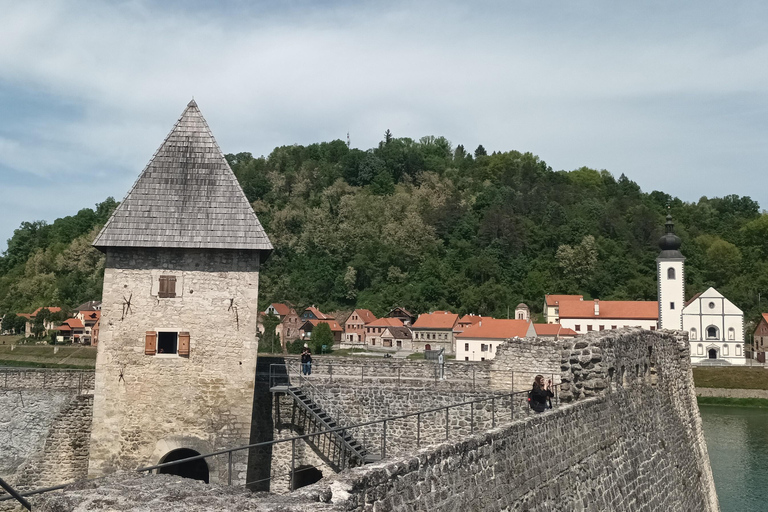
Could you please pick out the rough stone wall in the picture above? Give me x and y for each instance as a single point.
(146, 406)
(518, 361)
(64, 456)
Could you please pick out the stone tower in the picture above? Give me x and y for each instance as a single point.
(670, 267)
(177, 353)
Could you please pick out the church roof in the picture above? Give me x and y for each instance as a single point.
(186, 197)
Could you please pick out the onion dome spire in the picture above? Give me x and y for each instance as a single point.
(670, 243)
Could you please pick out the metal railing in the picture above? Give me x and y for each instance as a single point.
(516, 400)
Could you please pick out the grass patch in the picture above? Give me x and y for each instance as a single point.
(42, 356)
(761, 403)
(732, 377)
(416, 356)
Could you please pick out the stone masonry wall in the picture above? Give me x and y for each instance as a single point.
(629, 439)
(146, 406)
(43, 378)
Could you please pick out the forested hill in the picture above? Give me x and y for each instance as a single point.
(424, 225)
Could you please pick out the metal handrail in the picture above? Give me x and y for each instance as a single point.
(383, 421)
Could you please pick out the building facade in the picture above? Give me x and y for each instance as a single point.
(183, 247)
(435, 331)
(354, 327)
(585, 316)
(715, 329)
(480, 341)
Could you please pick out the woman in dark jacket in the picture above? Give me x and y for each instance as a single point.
(540, 394)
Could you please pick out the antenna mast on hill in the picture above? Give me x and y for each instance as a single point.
(348, 139)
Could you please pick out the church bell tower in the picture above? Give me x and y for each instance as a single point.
(670, 267)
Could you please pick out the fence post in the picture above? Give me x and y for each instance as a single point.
(362, 373)
(446, 424)
(513, 381)
(418, 430)
(384, 440)
(293, 463)
(473, 377)
(512, 406)
(330, 371)
(398, 377)
(472, 417)
(229, 471)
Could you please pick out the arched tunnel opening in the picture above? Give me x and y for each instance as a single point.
(195, 469)
(305, 475)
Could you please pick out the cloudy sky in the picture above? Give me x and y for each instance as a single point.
(672, 94)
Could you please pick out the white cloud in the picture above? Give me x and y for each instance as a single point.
(633, 89)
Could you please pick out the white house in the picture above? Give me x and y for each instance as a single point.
(585, 316)
(715, 328)
(479, 342)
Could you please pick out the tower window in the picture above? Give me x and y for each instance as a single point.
(731, 333)
(671, 305)
(670, 273)
(167, 287)
(167, 342)
(712, 333)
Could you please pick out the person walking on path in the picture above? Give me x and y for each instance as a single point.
(306, 361)
(540, 395)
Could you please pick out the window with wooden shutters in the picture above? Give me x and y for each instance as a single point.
(167, 287)
(150, 343)
(184, 344)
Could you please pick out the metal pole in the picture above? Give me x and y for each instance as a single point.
(229, 471)
(16, 495)
(446, 423)
(384, 440)
(512, 406)
(473, 377)
(362, 373)
(472, 417)
(330, 371)
(398, 377)
(418, 430)
(293, 464)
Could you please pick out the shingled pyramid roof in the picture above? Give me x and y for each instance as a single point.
(186, 197)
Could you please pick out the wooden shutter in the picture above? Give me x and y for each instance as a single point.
(150, 343)
(171, 286)
(163, 291)
(184, 344)
(167, 287)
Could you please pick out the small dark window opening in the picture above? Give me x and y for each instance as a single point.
(167, 342)
(670, 273)
(196, 469)
(167, 287)
(305, 475)
(671, 305)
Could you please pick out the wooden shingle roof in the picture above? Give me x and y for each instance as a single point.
(186, 197)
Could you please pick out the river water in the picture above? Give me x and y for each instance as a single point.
(737, 441)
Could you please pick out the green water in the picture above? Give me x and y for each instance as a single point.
(737, 441)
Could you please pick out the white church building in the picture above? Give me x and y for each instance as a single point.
(715, 325)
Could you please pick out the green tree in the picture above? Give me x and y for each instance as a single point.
(578, 263)
(270, 341)
(321, 335)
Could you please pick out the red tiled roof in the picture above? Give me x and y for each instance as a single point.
(70, 323)
(495, 328)
(282, 309)
(319, 314)
(333, 323)
(386, 322)
(365, 315)
(436, 320)
(765, 317)
(469, 319)
(631, 309)
(52, 309)
(553, 330)
(91, 315)
(554, 300)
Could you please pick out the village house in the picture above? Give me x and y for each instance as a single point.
(468, 321)
(305, 331)
(48, 325)
(288, 328)
(552, 306)
(760, 338)
(312, 313)
(435, 331)
(402, 314)
(375, 329)
(89, 313)
(553, 331)
(585, 316)
(480, 341)
(397, 338)
(354, 327)
(70, 331)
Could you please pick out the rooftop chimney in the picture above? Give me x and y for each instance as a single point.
(597, 307)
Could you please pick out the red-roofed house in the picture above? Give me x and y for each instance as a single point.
(433, 331)
(599, 315)
(397, 338)
(354, 327)
(71, 330)
(480, 341)
(375, 329)
(90, 320)
(312, 313)
(288, 328)
(761, 338)
(47, 325)
(305, 332)
(467, 321)
(554, 331)
(552, 306)
(403, 315)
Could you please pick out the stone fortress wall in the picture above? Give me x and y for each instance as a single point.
(628, 438)
(45, 425)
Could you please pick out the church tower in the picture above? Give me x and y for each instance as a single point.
(670, 266)
(176, 360)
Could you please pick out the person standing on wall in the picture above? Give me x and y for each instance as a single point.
(539, 396)
(306, 361)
